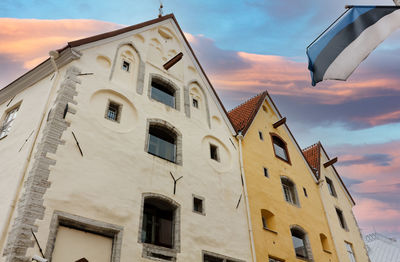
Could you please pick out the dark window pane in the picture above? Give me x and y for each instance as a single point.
(208, 258)
(198, 205)
(195, 103)
(113, 111)
(163, 94)
(214, 152)
(125, 66)
(162, 143)
(280, 148)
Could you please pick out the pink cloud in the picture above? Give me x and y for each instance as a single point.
(373, 214)
(381, 119)
(26, 42)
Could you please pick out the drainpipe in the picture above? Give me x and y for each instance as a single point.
(53, 55)
(246, 198)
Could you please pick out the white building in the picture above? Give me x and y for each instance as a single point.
(117, 148)
(382, 248)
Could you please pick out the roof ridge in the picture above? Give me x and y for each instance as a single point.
(311, 146)
(246, 101)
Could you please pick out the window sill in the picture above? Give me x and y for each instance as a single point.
(198, 212)
(327, 251)
(303, 258)
(3, 137)
(163, 158)
(157, 253)
(293, 204)
(269, 230)
(284, 160)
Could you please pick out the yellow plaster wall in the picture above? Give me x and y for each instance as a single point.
(267, 193)
(352, 234)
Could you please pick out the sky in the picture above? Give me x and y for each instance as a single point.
(246, 47)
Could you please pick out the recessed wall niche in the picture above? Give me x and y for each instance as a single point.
(224, 163)
(103, 61)
(99, 103)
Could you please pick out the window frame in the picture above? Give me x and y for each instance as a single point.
(331, 187)
(195, 103)
(156, 252)
(8, 124)
(342, 220)
(222, 258)
(119, 111)
(217, 154)
(306, 243)
(167, 127)
(124, 61)
(290, 191)
(202, 199)
(285, 148)
(168, 84)
(350, 252)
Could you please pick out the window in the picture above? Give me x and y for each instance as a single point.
(195, 103)
(211, 257)
(331, 188)
(300, 243)
(305, 192)
(113, 111)
(341, 218)
(125, 66)
(7, 122)
(349, 248)
(289, 191)
(324, 242)
(214, 152)
(266, 172)
(162, 143)
(163, 93)
(280, 148)
(268, 220)
(260, 134)
(198, 205)
(272, 259)
(158, 222)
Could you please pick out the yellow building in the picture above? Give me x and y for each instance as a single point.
(338, 205)
(287, 215)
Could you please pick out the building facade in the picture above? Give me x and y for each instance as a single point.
(338, 205)
(287, 216)
(117, 148)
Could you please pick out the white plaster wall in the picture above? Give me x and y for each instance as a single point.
(107, 183)
(342, 202)
(13, 160)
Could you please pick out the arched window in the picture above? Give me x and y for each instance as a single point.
(268, 220)
(300, 243)
(159, 231)
(163, 91)
(162, 142)
(289, 191)
(324, 242)
(280, 148)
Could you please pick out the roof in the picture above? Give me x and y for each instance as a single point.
(382, 249)
(98, 37)
(312, 154)
(313, 157)
(243, 115)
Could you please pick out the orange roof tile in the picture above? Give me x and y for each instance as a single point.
(312, 155)
(242, 116)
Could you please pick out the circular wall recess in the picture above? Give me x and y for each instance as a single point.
(127, 114)
(223, 161)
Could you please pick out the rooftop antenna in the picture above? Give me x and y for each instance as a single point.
(160, 10)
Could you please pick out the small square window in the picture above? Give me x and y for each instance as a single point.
(198, 205)
(305, 192)
(195, 103)
(214, 152)
(266, 172)
(113, 111)
(125, 66)
(261, 135)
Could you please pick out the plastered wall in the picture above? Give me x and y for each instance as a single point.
(107, 183)
(352, 233)
(266, 193)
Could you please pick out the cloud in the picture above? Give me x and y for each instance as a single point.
(376, 159)
(25, 43)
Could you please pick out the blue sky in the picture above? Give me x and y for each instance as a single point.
(247, 47)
